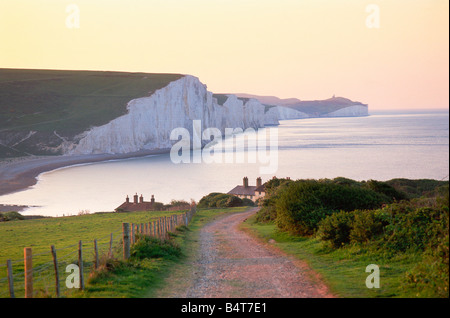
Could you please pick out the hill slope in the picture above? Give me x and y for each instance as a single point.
(40, 108)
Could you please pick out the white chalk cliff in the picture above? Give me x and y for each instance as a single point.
(276, 113)
(150, 120)
(350, 111)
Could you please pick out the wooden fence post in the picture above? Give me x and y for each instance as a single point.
(110, 254)
(28, 260)
(96, 264)
(10, 279)
(55, 264)
(80, 264)
(126, 240)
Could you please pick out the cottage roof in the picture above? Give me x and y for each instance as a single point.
(132, 207)
(261, 188)
(241, 190)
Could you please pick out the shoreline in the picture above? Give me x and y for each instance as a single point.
(21, 173)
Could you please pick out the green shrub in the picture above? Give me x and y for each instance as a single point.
(11, 216)
(273, 188)
(367, 224)
(299, 209)
(232, 201)
(389, 191)
(223, 200)
(149, 247)
(336, 228)
(302, 204)
(247, 202)
(415, 228)
(431, 276)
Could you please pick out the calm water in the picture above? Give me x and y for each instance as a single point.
(381, 147)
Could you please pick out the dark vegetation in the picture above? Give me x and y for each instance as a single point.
(222, 200)
(385, 219)
(11, 216)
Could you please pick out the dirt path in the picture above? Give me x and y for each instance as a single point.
(231, 263)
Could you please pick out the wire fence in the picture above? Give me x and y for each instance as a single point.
(48, 273)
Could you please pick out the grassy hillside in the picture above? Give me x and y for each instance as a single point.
(130, 280)
(64, 233)
(54, 105)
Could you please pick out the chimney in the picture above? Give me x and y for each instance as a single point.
(245, 182)
(258, 182)
(127, 200)
(136, 198)
(141, 199)
(153, 199)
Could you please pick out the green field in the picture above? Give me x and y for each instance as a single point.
(65, 102)
(137, 279)
(64, 233)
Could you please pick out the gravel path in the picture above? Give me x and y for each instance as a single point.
(234, 264)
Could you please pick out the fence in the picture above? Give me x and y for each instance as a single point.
(44, 280)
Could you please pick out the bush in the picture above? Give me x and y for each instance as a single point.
(149, 247)
(366, 225)
(273, 188)
(389, 191)
(247, 202)
(336, 228)
(431, 276)
(11, 216)
(302, 204)
(416, 229)
(222, 200)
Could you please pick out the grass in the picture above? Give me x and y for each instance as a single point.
(65, 102)
(140, 277)
(64, 233)
(161, 276)
(343, 270)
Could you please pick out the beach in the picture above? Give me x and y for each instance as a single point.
(20, 173)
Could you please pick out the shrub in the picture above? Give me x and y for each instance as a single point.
(431, 276)
(415, 228)
(247, 202)
(149, 247)
(298, 210)
(336, 228)
(302, 204)
(383, 188)
(273, 188)
(223, 200)
(11, 216)
(366, 225)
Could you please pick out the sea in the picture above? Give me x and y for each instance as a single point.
(382, 146)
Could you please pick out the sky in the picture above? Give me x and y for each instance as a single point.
(390, 54)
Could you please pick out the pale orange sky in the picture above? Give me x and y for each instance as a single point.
(309, 49)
